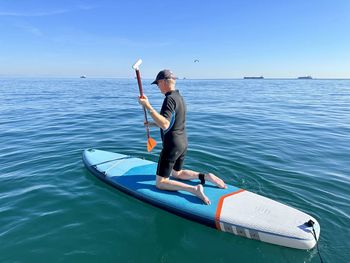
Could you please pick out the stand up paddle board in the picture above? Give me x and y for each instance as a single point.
(232, 210)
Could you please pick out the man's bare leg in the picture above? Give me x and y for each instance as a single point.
(163, 183)
(190, 175)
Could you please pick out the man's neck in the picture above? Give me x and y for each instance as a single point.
(169, 89)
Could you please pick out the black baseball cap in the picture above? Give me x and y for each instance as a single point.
(164, 74)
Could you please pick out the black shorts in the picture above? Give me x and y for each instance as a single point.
(169, 160)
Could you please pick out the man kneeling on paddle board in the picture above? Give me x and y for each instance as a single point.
(172, 120)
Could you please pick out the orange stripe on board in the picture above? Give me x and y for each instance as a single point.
(219, 207)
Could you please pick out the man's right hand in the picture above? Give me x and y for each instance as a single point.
(143, 100)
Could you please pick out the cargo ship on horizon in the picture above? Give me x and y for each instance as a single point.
(261, 77)
(305, 77)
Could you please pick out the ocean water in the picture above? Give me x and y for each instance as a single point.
(288, 140)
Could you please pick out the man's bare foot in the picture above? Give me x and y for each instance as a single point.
(215, 180)
(199, 192)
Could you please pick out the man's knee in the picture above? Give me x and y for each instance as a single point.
(160, 182)
(176, 174)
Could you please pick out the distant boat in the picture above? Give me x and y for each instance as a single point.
(261, 77)
(305, 77)
(83, 77)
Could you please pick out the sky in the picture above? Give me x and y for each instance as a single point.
(230, 39)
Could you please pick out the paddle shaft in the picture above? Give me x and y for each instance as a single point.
(138, 76)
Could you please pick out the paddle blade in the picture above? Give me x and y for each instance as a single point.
(151, 143)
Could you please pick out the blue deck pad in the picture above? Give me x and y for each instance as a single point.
(138, 176)
(180, 200)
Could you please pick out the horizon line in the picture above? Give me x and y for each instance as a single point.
(185, 78)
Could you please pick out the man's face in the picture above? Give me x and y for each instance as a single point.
(162, 86)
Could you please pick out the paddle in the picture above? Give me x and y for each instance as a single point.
(151, 143)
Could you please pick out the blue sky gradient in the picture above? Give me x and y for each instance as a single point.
(231, 39)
